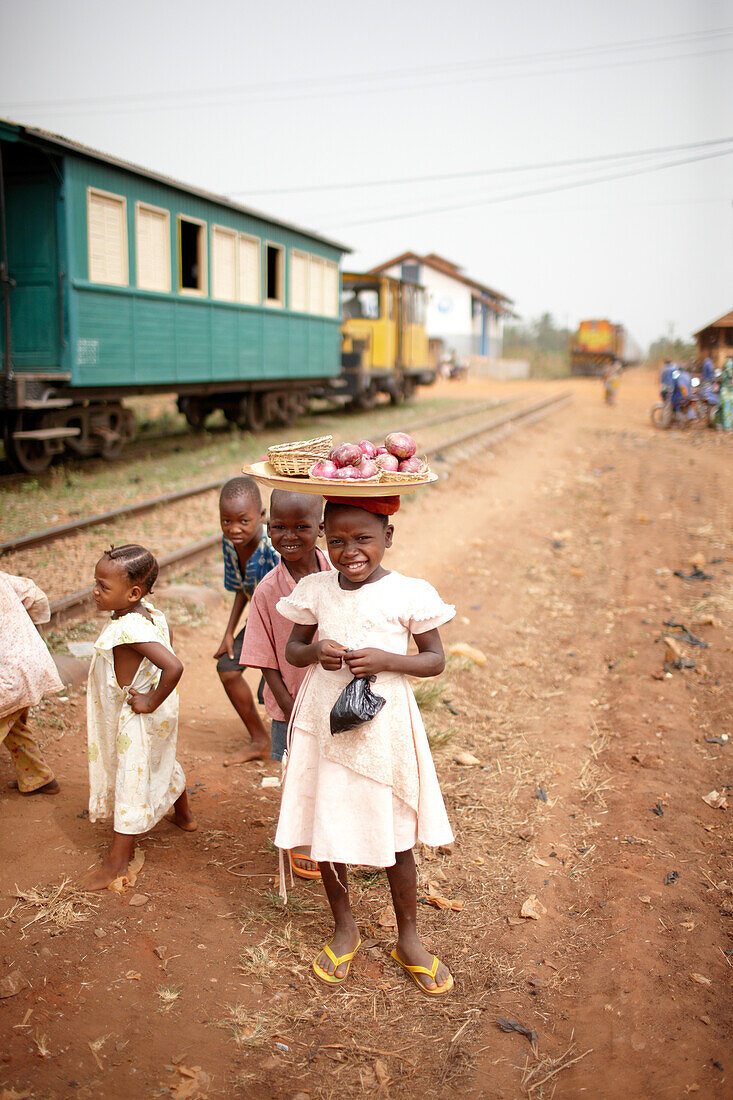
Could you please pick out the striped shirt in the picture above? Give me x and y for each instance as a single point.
(261, 561)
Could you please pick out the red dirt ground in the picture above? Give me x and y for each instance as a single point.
(559, 551)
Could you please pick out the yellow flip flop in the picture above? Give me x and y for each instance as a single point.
(413, 971)
(331, 979)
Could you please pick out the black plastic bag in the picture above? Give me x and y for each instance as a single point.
(356, 705)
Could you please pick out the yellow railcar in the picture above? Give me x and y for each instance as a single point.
(384, 341)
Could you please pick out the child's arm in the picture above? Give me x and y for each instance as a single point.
(227, 642)
(428, 661)
(276, 684)
(302, 651)
(171, 670)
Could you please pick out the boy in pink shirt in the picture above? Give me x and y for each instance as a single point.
(295, 524)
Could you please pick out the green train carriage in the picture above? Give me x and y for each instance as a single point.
(116, 281)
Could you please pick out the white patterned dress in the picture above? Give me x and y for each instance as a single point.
(362, 796)
(133, 770)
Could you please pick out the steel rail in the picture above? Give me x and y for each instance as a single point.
(39, 538)
(69, 606)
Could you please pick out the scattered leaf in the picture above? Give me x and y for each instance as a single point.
(671, 877)
(701, 979)
(463, 649)
(133, 870)
(386, 918)
(466, 759)
(139, 899)
(532, 909)
(716, 799)
(514, 1025)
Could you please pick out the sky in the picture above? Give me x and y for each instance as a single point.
(430, 127)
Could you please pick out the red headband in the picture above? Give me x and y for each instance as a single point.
(378, 506)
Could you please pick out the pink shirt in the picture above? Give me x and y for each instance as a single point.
(268, 632)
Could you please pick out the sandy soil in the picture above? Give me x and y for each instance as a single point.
(559, 551)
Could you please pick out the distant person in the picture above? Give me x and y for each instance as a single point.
(707, 371)
(27, 673)
(132, 712)
(724, 412)
(248, 557)
(611, 380)
(666, 379)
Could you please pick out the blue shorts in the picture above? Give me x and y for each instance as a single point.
(278, 739)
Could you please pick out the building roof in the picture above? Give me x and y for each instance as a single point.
(57, 142)
(726, 321)
(446, 267)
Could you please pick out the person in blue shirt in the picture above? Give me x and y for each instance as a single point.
(248, 557)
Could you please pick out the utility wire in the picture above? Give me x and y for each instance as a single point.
(472, 173)
(346, 83)
(487, 201)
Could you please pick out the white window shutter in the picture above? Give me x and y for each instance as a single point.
(331, 290)
(299, 281)
(224, 264)
(249, 270)
(316, 285)
(107, 239)
(152, 241)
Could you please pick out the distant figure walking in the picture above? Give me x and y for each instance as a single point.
(611, 379)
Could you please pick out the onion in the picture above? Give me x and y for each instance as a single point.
(347, 454)
(413, 465)
(367, 448)
(325, 468)
(382, 451)
(367, 468)
(400, 444)
(347, 473)
(387, 462)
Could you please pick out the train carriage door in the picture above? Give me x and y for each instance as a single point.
(31, 197)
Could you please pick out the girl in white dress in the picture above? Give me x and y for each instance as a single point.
(366, 796)
(132, 712)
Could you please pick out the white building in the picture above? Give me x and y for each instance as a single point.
(466, 315)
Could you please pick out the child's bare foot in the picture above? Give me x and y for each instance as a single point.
(258, 750)
(99, 878)
(184, 820)
(51, 787)
(412, 953)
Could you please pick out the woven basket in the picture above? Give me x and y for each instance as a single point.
(295, 459)
(394, 477)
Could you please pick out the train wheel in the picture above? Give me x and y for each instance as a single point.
(251, 413)
(367, 399)
(28, 456)
(120, 429)
(194, 411)
(279, 409)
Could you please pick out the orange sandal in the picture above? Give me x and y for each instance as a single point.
(299, 870)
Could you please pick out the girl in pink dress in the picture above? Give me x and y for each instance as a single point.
(366, 796)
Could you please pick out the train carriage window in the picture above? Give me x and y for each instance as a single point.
(331, 289)
(249, 270)
(152, 247)
(274, 275)
(191, 256)
(316, 286)
(107, 238)
(298, 281)
(223, 264)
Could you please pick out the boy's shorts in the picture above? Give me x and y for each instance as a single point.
(278, 739)
(231, 664)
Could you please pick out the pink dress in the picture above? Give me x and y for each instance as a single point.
(360, 797)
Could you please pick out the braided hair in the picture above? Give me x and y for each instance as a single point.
(139, 564)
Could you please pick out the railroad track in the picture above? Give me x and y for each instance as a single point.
(464, 444)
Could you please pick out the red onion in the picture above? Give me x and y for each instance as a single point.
(387, 462)
(382, 451)
(347, 454)
(367, 468)
(413, 465)
(325, 468)
(400, 444)
(347, 473)
(367, 448)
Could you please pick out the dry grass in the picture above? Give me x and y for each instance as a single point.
(60, 906)
(542, 1074)
(168, 997)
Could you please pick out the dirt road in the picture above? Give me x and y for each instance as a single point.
(560, 552)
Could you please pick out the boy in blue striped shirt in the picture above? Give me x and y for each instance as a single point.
(248, 557)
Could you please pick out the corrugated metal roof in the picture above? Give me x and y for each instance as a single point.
(64, 144)
(726, 321)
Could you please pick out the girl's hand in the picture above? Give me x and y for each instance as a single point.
(367, 662)
(141, 702)
(227, 646)
(330, 654)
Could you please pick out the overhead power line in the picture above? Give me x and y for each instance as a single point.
(550, 189)
(475, 172)
(348, 83)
